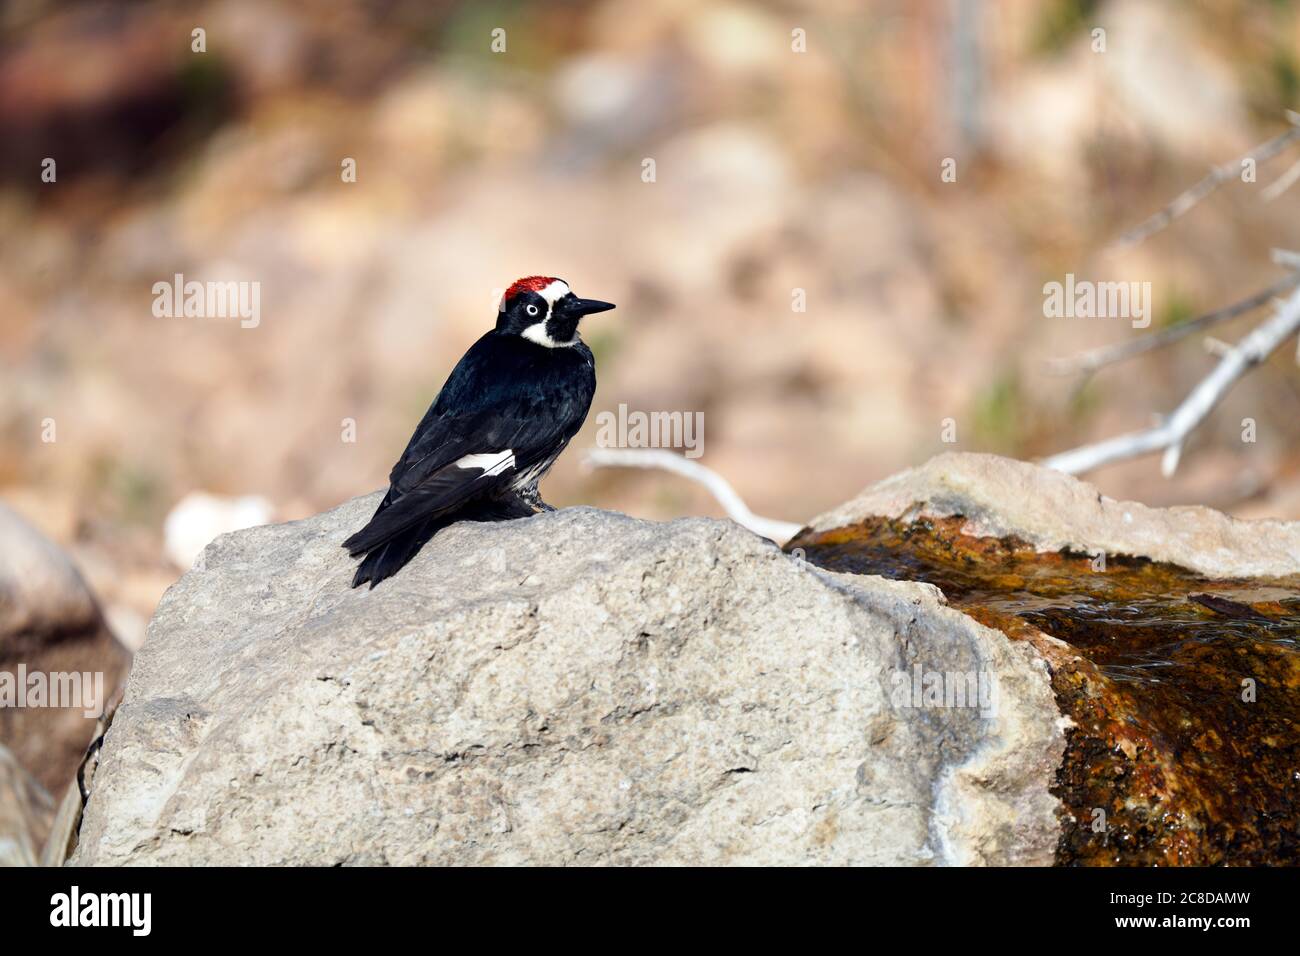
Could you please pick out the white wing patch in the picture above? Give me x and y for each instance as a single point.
(492, 464)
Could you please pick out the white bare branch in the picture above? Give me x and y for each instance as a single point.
(1282, 183)
(737, 510)
(1287, 258)
(1184, 201)
(1170, 435)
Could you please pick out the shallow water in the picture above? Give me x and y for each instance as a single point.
(1185, 691)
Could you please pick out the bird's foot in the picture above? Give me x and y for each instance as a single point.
(533, 499)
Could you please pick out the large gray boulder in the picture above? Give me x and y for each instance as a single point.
(577, 687)
(50, 624)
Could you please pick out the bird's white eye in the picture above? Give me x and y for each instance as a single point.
(532, 310)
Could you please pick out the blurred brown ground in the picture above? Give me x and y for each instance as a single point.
(776, 170)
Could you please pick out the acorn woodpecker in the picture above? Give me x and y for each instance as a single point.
(506, 412)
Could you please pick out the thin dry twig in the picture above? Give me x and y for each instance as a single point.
(1219, 175)
(1282, 183)
(1094, 359)
(658, 458)
(1170, 435)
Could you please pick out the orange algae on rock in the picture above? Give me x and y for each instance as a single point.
(1183, 691)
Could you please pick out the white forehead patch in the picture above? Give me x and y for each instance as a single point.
(554, 292)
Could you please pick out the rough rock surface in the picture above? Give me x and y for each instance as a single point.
(49, 622)
(574, 687)
(1002, 497)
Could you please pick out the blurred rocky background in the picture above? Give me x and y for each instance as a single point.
(776, 170)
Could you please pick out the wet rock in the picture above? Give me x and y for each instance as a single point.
(1000, 497)
(49, 624)
(575, 687)
(1182, 689)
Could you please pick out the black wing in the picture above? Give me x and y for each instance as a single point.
(508, 403)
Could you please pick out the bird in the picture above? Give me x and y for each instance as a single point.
(506, 412)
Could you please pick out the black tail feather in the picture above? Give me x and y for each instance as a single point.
(368, 567)
(391, 555)
(351, 543)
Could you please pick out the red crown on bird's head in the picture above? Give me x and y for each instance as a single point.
(529, 284)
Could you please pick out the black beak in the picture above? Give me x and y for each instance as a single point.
(580, 307)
